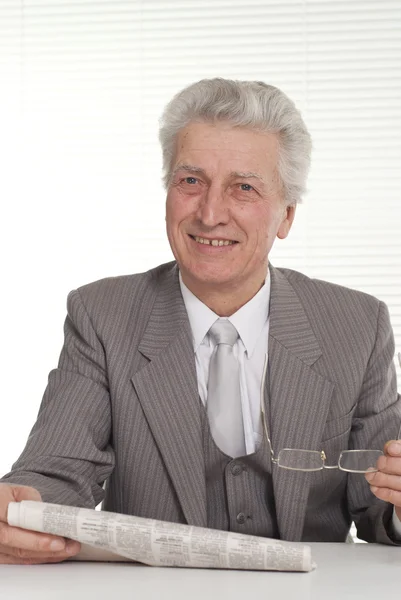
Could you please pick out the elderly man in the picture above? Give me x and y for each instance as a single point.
(216, 390)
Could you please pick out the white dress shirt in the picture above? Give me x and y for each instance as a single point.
(252, 323)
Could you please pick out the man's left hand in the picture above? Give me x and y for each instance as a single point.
(386, 482)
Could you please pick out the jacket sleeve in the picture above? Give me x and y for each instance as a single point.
(68, 455)
(377, 419)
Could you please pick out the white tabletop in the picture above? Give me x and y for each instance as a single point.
(367, 571)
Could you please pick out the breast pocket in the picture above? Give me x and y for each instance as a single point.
(338, 427)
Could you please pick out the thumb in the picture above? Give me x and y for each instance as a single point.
(392, 448)
(23, 492)
(15, 493)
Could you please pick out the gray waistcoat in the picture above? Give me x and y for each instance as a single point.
(239, 491)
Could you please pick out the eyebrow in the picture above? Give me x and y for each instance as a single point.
(233, 174)
(247, 175)
(189, 168)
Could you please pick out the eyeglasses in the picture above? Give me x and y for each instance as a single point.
(295, 459)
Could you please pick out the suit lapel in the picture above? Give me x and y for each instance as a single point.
(167, 390)
(299, 399)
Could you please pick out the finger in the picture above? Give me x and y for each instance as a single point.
(14, 537)
(71, 549)
(386, 494)
(6, 559)
(15, 493)
(389, 464)
(393, 448)
(383, 480)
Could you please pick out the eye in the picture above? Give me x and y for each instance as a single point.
(245, 187)
(191, 180)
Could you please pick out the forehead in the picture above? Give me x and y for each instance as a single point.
(221, 144)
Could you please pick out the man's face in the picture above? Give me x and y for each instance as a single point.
(225, 191)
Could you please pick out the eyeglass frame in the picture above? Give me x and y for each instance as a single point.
(321, 452)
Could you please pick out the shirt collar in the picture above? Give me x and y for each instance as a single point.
(200, 316)
(249, 320)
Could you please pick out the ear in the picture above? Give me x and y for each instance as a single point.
(287, 221)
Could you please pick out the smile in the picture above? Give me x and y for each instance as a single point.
(207, 242)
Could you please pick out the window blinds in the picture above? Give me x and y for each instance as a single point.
(83, 83)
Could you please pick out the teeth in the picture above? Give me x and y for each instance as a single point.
(213, 242)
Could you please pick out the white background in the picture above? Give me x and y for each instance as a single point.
(82, 84)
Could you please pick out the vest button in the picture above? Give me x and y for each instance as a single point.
(241, 518)
(236, 469)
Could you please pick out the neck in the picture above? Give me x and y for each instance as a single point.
(224, 301)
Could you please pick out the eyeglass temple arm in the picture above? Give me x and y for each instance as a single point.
(399, 362)
(262, 406)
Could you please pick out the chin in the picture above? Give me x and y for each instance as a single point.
(210, 276)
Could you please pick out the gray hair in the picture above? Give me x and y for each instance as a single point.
(251, 104)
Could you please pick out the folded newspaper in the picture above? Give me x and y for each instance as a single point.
(111, 536)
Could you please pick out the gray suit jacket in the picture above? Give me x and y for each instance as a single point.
(123, 405)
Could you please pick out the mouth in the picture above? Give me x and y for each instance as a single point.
(213, 241)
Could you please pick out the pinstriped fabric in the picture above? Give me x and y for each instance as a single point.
(290, 324)
(347, 400)
(123, 405)
(241, 487)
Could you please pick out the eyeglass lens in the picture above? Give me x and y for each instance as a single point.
(353, 461)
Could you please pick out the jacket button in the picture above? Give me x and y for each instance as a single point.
(241, 518)
(236, 469)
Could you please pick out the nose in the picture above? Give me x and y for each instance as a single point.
(213, 208)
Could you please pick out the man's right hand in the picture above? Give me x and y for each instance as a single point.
(23, 547)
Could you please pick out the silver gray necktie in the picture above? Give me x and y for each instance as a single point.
(224, 407)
